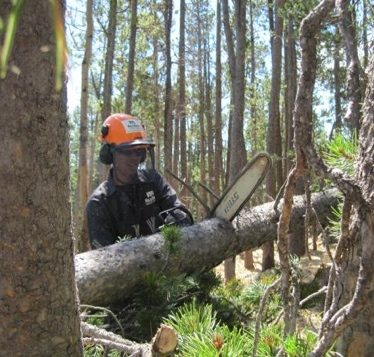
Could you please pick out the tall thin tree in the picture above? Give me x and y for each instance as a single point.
(237, 151)
(131, 63)
(168, 119)
(181, 113)
(218, 165)
(83, 176)
(108, 71)
(274, 143)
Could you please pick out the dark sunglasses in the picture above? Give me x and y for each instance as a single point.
(130, 152)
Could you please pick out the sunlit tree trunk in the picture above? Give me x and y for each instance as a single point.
(290, 71)
(202, 107)
(108, 72)
(168, 120)
(176, 139)
(39, 308)
(337, 126)
(237, 149)
(365, 25)
(182, 95)
(156, 85)
(209, 120)
(131, 64)
(218, 165)
(81, 235)
(274, 142)
(355, 87)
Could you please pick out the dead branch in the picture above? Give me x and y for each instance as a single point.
(163, 343)
(312, 296)
(190, 188)
(261, 310)
(100, 308)
(205, 187)
(303, 136)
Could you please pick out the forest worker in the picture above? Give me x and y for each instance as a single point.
(133, 201)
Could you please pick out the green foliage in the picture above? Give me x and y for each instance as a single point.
(201, 335)
(270, 340)
(191, 318)
(11, 28)
(159, 296)
(341, 153)
(299, 346)
(172, 235)
(335, 221)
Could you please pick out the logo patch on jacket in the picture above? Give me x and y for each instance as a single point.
(150, 198)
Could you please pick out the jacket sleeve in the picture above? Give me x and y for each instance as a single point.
(100, 231)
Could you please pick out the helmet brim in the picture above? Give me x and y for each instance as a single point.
(136, 142)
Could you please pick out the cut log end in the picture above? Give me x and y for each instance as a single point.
(164, 342)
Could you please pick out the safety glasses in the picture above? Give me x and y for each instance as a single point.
(132, 152)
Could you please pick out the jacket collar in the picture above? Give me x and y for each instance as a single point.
(140, 178)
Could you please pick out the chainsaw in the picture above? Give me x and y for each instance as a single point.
(241, 189)
(234, 197)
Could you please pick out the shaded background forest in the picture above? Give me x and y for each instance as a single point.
(214, 82)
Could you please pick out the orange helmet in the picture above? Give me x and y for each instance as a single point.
(123, 130)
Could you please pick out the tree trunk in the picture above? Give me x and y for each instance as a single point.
(274, 142)
(202, 147)
(182, 97)
(131, 64)
(337, 126)
(81, 234)
(355, 87)
(218, 165)
(157, 106)
(358, 339)
(111, 273)
(209, 120)
(290, 94)
(168, 120)
(237, 151)
(108, 73)
(38, 309)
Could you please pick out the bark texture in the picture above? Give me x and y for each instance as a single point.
(109, 274)
(38, 304)
(83, 243)
(131, 65)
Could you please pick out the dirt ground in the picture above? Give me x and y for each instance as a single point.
(309, 267)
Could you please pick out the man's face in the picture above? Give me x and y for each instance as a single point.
(126, 162)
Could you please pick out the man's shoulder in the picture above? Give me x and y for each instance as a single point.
(149, 175)
(101, 191)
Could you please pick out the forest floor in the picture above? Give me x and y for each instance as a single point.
(314, 274)
(309, 267)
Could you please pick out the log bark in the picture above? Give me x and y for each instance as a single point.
(109, 274)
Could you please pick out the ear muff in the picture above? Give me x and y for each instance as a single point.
(106, 155)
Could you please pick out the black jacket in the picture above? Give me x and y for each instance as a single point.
(114, 212)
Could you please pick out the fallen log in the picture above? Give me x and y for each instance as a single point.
(109, 274)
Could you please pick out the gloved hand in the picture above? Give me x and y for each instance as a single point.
(177, 216)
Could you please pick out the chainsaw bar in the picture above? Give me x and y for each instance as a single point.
(242, 188)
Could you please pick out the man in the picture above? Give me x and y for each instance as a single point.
(132, 202)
